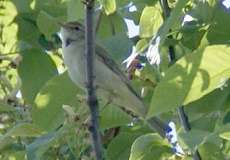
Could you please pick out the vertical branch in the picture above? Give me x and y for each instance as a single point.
(172, 57)
(90, 75)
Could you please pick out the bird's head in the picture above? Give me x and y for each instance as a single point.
(71, 32)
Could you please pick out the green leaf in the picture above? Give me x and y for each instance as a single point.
(192, 37)
(144, 2)
(6, 108)
(148, 146)
(5, 141)
(22, 6)
(27, 24)
(192, 77)
(204, 11)
(36, 149)
(8, 12)
(111, 25)
(212, 102)
(219, 31)
(226, 150)
(24, 130)
(207, 122)
(109, 6)
(210, 151)
(75, 10)
(197, 138)
(225, 135)
(112, 116)
(47, 112)
(227, 114)
(119, 148)
(17, 155)
(150, 73)
(9, 36)
(47, 24)
(141, 45)
(194, 137)
(56, 8)
(35, 70)
(117, 46)
(171, 20)
(150, 22)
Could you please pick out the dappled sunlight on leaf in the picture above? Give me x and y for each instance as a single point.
(44, 115)
(148, 146)
(191, 78)
(42, 101)
(150, 21)
(48, 113)
(31, 70)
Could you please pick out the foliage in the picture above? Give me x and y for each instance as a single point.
(43, 115)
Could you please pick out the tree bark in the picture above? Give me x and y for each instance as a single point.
(90, 76)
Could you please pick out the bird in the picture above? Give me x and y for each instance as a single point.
(110, 81)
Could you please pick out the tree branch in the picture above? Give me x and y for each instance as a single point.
(172, 58)
(92, 98)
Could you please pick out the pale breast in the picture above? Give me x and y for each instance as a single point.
(75, 62)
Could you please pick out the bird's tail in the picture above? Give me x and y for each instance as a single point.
(135, 103)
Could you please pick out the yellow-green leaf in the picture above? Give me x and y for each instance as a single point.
(35, 70)
(192, 77)
(22, 130)
(6, 108)
(113, 116)
(109, 6)
(148, 146)
(75, 10)
(48, 112)
(141, 45)
(225, 135)
(150, 22)
(25, 130)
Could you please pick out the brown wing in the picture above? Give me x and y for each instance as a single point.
(111, 64)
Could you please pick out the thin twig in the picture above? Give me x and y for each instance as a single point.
(92, 98)
(172, 58)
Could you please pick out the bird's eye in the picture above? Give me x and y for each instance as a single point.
(76, 28)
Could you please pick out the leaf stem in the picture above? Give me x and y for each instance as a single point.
(92, 98)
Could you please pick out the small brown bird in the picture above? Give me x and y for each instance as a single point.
(110, 82)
